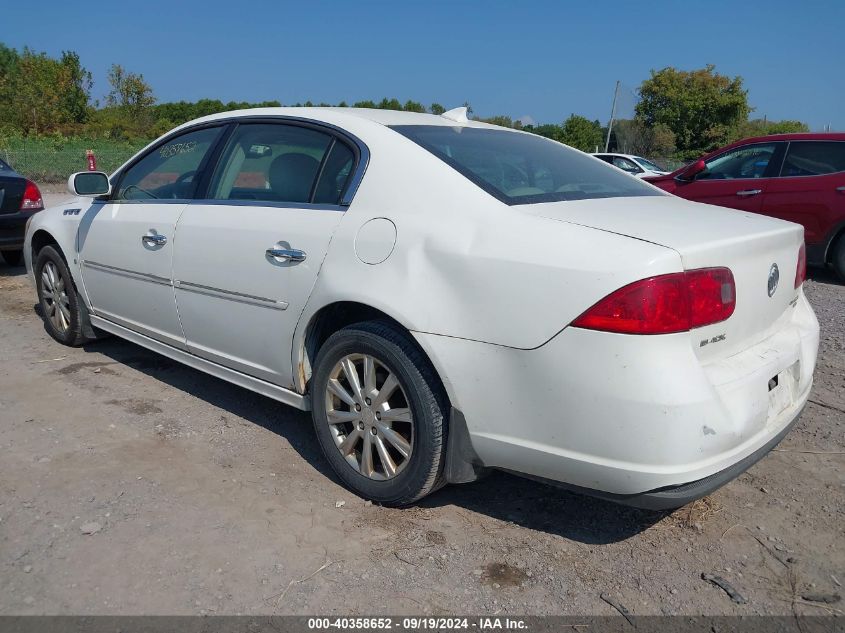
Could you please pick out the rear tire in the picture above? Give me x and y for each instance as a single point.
(837, 257)
(372, 385)
(13, 258)
(61, 309)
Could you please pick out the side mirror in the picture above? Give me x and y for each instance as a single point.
(692, 171)
(89, 184)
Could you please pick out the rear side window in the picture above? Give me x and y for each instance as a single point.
(813, 158)
(272, 162)
(522, 168)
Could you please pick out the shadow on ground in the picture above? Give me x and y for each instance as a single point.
(501, 496)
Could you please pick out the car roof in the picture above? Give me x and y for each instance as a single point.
(795, 136)
(337, 114)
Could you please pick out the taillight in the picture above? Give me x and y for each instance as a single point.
(31, 198)
(676, 302)
(801, 270)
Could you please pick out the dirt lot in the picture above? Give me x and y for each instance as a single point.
(205, 498)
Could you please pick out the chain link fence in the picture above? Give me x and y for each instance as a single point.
(54, 165)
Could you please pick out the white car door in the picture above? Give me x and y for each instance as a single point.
(248, 256)
(126, 242)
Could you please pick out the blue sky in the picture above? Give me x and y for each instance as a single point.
(540, 59)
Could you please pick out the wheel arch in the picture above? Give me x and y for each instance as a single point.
(42, 238)
(462, 464)
(324, 321)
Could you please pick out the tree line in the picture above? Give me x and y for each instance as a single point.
(681, 114)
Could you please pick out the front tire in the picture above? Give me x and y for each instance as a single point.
(13, 258)
(380, 413)
(61, 308)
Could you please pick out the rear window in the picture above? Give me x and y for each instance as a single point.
(522, 168)
(4, 166)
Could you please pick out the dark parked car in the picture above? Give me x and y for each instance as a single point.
(796, 177)
(19, 199)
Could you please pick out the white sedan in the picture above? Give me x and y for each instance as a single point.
(446, 297)
(634, 165)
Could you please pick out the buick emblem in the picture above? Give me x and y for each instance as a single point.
(774, 277)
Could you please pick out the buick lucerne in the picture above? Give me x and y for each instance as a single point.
(446, 297)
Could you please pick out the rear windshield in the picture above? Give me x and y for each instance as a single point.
(522, 168)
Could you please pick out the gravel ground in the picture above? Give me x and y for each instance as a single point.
(130, 484)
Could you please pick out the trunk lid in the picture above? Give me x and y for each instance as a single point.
(707, 236)
(11, 193)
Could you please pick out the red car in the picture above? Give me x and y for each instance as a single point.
(796, 177)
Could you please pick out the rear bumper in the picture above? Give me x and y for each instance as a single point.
(640, 420)
(672, 497)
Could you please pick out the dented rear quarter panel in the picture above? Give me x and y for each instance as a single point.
(464, 264)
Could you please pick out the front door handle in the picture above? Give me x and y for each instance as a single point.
(841, 189)
(154, 239)
(286, 254)
(749, 192)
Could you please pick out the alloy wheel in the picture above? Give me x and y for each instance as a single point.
(369, 416)
(55, 298)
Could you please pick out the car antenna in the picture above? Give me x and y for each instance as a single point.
(458, 115)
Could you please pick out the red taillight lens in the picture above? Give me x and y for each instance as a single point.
(31, 198)
(712, 295)
(801, 271)
(669, 303)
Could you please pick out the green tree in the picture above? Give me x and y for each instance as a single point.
(43, 94)
(701, 107)
(500, 119)
(75, 88)
(9, 60)
(762, 127)
(581, 133)
(413, 106)
(548, 130)
(389, 104)
(436, 108)
(632, 136)
(129, 91)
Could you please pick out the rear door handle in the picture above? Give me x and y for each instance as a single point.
(749, 192)
(841, 189)
(286, 254)
(154, 239)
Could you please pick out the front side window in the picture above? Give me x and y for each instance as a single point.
(523, 168)
(814, 158)
(272, 162)
(170, 170)
(749, 161)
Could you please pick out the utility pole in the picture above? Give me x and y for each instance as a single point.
(612, 116)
